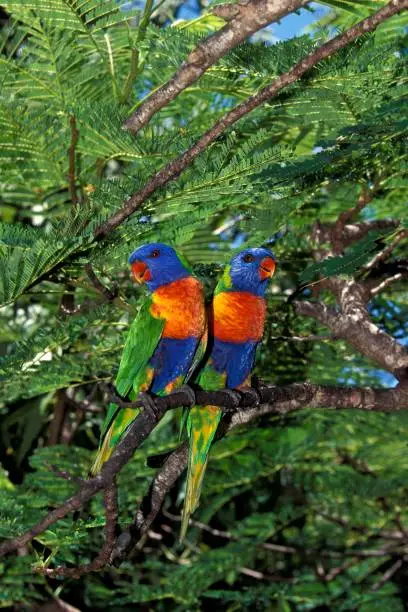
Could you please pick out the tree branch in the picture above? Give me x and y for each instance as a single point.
(355, 231)
(265, 400)
(384, 284)
(385, 253)
(337, 233)
(108, 294)
(353, 325)
(244, 18)
(111, 515)
(351, 321)
(387, 575)
(172, 170)
(151, 504)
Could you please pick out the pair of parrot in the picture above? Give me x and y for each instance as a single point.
(168, 341)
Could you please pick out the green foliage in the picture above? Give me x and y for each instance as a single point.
(353, 260)
(312, 482)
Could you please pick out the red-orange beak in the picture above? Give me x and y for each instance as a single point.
(267, 268)
(141, 272)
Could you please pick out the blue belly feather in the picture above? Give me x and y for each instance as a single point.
(236, 360)
(171, 359)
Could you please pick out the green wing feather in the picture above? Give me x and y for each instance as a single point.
(198, 355)
(225, 282)
(134, 372)
(141, 342)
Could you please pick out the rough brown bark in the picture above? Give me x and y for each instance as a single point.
(353, 325)
(172, 170)
(244, 18)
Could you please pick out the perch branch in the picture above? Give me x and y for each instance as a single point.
(265, 400)
(172, 170)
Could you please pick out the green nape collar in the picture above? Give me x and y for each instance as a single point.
(184, 261)
(225, 282)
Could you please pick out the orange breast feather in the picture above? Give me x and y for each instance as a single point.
(181, 304)
(238, 316)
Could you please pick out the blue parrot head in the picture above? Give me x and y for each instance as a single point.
(157, 264)
(251, 270)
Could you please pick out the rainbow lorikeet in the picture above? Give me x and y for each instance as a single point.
(236, 324)
(165, 342)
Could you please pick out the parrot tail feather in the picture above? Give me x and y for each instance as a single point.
(201, 427)
(104, 452)
(114, 434)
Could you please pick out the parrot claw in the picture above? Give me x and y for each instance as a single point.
(147, 403)
(249, 397)
(233, 398)
(189, 392)
(258, 383)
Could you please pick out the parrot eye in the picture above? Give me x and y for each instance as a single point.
(248, 258)
(155, 253)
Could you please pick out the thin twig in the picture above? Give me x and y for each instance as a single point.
(387, 575)
(83, 406)
(290, 550)
(261, 576)
(202, 526)
(65, 475)
(111, 515)
(337, 520)
(385, 283)
(136, 66)
(108, 294)
(130, 79)
(340, 569)
(309, 338)
(337, 234)
(386, 252)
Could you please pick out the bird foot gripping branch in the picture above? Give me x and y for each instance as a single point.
(147, 403)
(187, 394)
